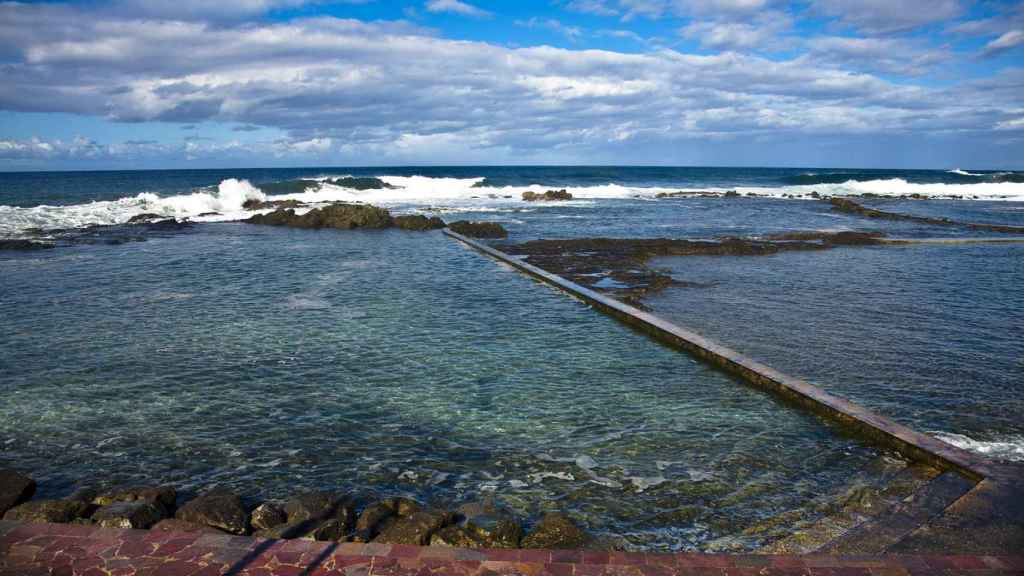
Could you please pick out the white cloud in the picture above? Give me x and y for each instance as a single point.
(888, 16)
(338, 87)
(457, 7)
(596, 7)
(886, 55)
(1007, 41)
(764, 33)
(571, 32)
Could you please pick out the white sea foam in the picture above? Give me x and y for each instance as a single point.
(963, 172)
(420, 193)
(1007, 448)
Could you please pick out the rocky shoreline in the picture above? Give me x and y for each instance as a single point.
(315, 515)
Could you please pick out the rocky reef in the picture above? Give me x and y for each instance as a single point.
(315, 515)
(847, 206)
(549, 196)
(619, 266)
(479, 229)
(24, 245)
(346, 217)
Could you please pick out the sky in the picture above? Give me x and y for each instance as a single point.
(124, 84)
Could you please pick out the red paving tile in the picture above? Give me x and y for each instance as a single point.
(71, 550)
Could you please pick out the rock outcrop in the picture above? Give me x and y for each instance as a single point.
(15, 488)
(418, 222)
(24, 245)
(217, 508)
(549, 196)
(479, 229)
(59, 511)
(341, 216)
(556, 531)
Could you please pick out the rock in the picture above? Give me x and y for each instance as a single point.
(732, 194)
(61, 511)
(264, 204)
(490, 525)
(814, 194)
(854, 239)
(455, 537)
(361, 183)
(267, 515)
(341, 216)
(320, 506)
(24, 245)
(15, 488)
(175, 525)
(418, 222)
(549, 196)
(308, 529)
(403, 506)
(84, 494)
(479, 229)
(147, 217)
(374, 519)
(415, 529)
(556, 531)
(218, 508)
(135, 514)
(166, 496)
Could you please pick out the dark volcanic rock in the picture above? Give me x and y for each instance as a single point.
(487, 525)
(218, 508)
(342, 216)
(264, 204)
(136, 514)
(62, 511)
(267, 515)
(479, 229)
(362, 183)
(321, 506)
(175, 525)
(145, 218)
(415, 529)
(556, 531)
(163, 495)
(24, 245)
(15, 488)
(549, 196)
(418, 222)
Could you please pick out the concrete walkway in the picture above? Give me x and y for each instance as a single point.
(77, 550)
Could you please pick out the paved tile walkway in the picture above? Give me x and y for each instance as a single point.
(66, 549)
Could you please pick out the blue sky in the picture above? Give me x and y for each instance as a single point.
(193, 83)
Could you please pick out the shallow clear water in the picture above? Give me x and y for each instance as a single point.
(272, 360)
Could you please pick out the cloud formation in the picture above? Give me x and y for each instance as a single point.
(457, 7)
(342, 88)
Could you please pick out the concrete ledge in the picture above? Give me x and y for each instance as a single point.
(878, 429)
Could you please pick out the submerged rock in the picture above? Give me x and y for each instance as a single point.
(479, 229)
(556, 531)
(61, 511)
(24, 245)
(162, 495)
(135, 514)
(267, 515)
(341, 216)
(549, 196)
(218, 508)
(15, 488)
(418, 222)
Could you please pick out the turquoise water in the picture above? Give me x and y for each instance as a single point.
(272, 360)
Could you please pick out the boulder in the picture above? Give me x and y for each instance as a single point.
(24, 245)
(175, 525)
(147, 217)
(455, 537)
(479, 229)
(320, 506)
(418, 222)
(165, 496)
(415, 529)
(267, 515)
(549, 196)
(341, 216)
(489, 524)
(218, 508)
(556, 531)
(15, 488)
(374, 519)
(134, 514)
(61, 511)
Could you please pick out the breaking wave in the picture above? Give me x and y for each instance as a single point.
(1008, 449)
(225, 201)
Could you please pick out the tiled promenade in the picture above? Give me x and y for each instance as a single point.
(65, 549)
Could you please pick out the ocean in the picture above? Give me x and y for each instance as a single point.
(387, 362)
